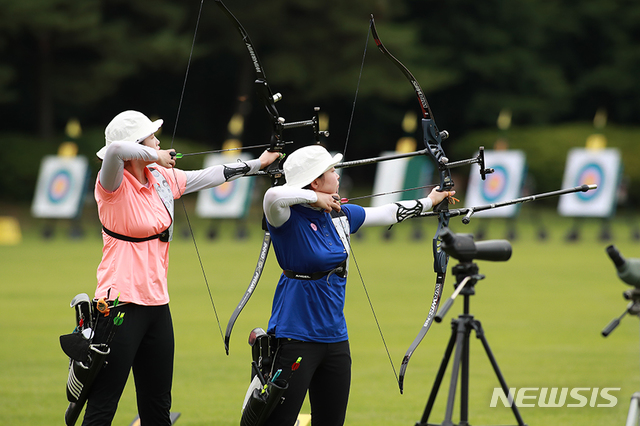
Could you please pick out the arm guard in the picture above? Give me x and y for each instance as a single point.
(239, 170)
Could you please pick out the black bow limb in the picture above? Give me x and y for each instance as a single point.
(278, 125)
(432, 138)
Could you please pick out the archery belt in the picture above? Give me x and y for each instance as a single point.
(163, 236)
(340, 270)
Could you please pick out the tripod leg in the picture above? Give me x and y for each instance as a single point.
(464, 381)
(462, 340)
(440, 375)
(480, 335)
(632, 415)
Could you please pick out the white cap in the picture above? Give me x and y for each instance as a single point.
(306, 164)
(128, 126)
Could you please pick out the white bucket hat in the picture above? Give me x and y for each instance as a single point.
(306, 164)
(128, 126)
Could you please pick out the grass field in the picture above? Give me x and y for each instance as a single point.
(542, 312)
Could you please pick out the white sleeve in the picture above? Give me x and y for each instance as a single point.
(278, 199)
(390, 214)
(215, 175)
(113, 163)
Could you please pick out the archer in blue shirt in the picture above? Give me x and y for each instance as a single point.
(310, 231)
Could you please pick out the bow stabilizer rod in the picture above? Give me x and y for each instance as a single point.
(365, 161)
(469, 211)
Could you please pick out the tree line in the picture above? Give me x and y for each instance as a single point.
(548, 61)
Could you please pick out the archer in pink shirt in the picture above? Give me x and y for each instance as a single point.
(135, 189)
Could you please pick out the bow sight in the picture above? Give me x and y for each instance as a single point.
(433, 139)
(479, 159)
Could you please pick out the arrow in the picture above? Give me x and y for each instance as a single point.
(346, 200)
(469, 211)
(181, 155)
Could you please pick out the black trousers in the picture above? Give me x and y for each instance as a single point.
(145, 343)
(325, 371)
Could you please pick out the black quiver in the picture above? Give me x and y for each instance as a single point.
(262, 402)
(266, 394)
(85, 357)
(81, 377)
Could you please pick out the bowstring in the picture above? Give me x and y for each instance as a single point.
(366, 292)
(173, 136)
(355, 98)
(345, 231)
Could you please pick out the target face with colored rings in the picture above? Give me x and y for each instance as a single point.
(60, 186)
(504, 184)
(224, 192)
(601, 167)
(496, 184)
(229, 199)
(590, 174)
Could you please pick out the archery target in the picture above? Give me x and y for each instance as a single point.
(591, 174)
(600, 167)
(495, 185)
(60, 187)
(394, 176)
(504, 184)
(224, 192)
(229, 200)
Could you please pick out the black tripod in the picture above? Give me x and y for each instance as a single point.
(466, 277)
(633, 308)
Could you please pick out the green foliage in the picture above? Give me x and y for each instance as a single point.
(496, 50)
(74, 54)
(546, 61)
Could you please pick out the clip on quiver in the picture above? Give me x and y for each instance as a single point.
(81, 377)
(263, 348)
(261, 399)
(263, 395)
(262, 402)
(85, 357)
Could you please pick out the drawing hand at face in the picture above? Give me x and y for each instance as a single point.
(326, 187)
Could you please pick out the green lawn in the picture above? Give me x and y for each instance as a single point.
(542, 312)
